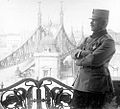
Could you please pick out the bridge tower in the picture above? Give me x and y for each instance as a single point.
(46, 62)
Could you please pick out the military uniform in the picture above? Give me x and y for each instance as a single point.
(96, 52)
(93, 82)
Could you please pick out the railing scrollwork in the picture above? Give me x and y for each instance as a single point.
(57, 95)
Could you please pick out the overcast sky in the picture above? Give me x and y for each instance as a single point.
(19, 16)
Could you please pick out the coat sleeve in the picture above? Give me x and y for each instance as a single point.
(100, 55)
(78, 50)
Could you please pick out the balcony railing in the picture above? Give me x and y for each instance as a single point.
(48, 91)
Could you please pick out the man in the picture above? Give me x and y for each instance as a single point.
(93, 81)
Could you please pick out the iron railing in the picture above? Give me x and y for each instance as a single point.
(48, 91)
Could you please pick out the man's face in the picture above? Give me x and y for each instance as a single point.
(96, 25)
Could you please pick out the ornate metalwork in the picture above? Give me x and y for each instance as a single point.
(57, 95)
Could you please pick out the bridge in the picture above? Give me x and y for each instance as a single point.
(25, 52)
(23, 59)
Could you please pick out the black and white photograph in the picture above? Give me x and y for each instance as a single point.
(59, 54)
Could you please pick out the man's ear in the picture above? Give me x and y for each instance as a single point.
(104, 23)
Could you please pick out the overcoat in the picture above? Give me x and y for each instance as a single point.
(95, 54)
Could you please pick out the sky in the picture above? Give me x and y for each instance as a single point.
(21, 16)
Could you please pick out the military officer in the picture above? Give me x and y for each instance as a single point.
(93, 81)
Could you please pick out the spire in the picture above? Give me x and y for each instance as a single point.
(39, 33)
(72, 38)
(61, 14)
(39, 14)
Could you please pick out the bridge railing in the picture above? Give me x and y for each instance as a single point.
(48, 91)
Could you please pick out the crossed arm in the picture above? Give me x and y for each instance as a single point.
(97, 57)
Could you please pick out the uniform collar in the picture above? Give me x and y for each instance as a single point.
(99, 33)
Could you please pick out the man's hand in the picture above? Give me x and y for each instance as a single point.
(85, 52)
(76, 54)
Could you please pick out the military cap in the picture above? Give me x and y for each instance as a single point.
(100, 13)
